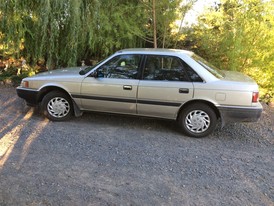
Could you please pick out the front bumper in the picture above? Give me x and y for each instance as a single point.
(240, 114)
(29, 95)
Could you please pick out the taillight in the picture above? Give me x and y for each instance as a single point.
(255, 97)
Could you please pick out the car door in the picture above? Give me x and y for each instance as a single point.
(113, 88)
(165, 86)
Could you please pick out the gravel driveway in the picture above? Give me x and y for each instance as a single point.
(101, 159)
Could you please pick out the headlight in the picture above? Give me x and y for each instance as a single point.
(25, 84)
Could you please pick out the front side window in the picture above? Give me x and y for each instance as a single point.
(167, 68)
(121, 67)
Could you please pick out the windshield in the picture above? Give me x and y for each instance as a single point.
(87, 69)
(208, 66)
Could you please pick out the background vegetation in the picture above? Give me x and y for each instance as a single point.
(47, 34)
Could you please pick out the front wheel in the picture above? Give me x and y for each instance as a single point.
(57, 106)
(197, 120)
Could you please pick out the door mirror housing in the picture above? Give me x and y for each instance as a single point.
(94, 74)
(97, 74)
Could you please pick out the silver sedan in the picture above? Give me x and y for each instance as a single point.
(160, 83)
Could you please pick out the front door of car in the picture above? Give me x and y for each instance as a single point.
(113, 88)
(164, 88)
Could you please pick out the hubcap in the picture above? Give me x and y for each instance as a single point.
(58, 107)
(197, 121)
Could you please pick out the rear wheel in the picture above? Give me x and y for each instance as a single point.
(197, 120)
(57, 106)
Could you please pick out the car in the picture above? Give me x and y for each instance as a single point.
(161, 83)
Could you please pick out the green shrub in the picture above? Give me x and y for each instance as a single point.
(11, 74)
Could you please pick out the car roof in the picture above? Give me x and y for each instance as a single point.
(155, 51)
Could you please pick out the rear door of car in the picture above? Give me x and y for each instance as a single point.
(165, 86)
(114, 89)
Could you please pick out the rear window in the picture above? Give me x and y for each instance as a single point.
(208, 66)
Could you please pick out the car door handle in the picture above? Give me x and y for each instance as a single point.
(127, 87)
(184, 90)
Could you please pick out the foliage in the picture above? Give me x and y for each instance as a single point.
(234, 35)
(239, 35)
(167, 12)
(64, 32)
(14, 74)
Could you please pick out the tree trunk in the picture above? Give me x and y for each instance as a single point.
(154, 24)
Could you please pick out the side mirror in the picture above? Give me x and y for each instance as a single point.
(97, 74)
(94, 74)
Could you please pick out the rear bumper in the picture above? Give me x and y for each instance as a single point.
(29, 95)
(240, 114)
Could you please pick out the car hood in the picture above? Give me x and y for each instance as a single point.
(61, 72)
(237, 77)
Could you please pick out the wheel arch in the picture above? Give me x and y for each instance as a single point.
(45, 90)
(210, 104)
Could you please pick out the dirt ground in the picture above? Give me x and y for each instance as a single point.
(101, 159)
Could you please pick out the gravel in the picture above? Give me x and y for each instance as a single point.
(102, 159)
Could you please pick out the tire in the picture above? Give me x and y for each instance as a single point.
(197, 120)
(57, 106)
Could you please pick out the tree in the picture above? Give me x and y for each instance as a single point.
(154, 24)
(64, 32)
(239, 35)
(159, 18)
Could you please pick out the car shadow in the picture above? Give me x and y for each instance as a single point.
(136, 122)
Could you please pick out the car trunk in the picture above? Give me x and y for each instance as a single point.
(237, 77)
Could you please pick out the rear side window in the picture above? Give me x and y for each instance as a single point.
(167, 68)
(194, 77)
